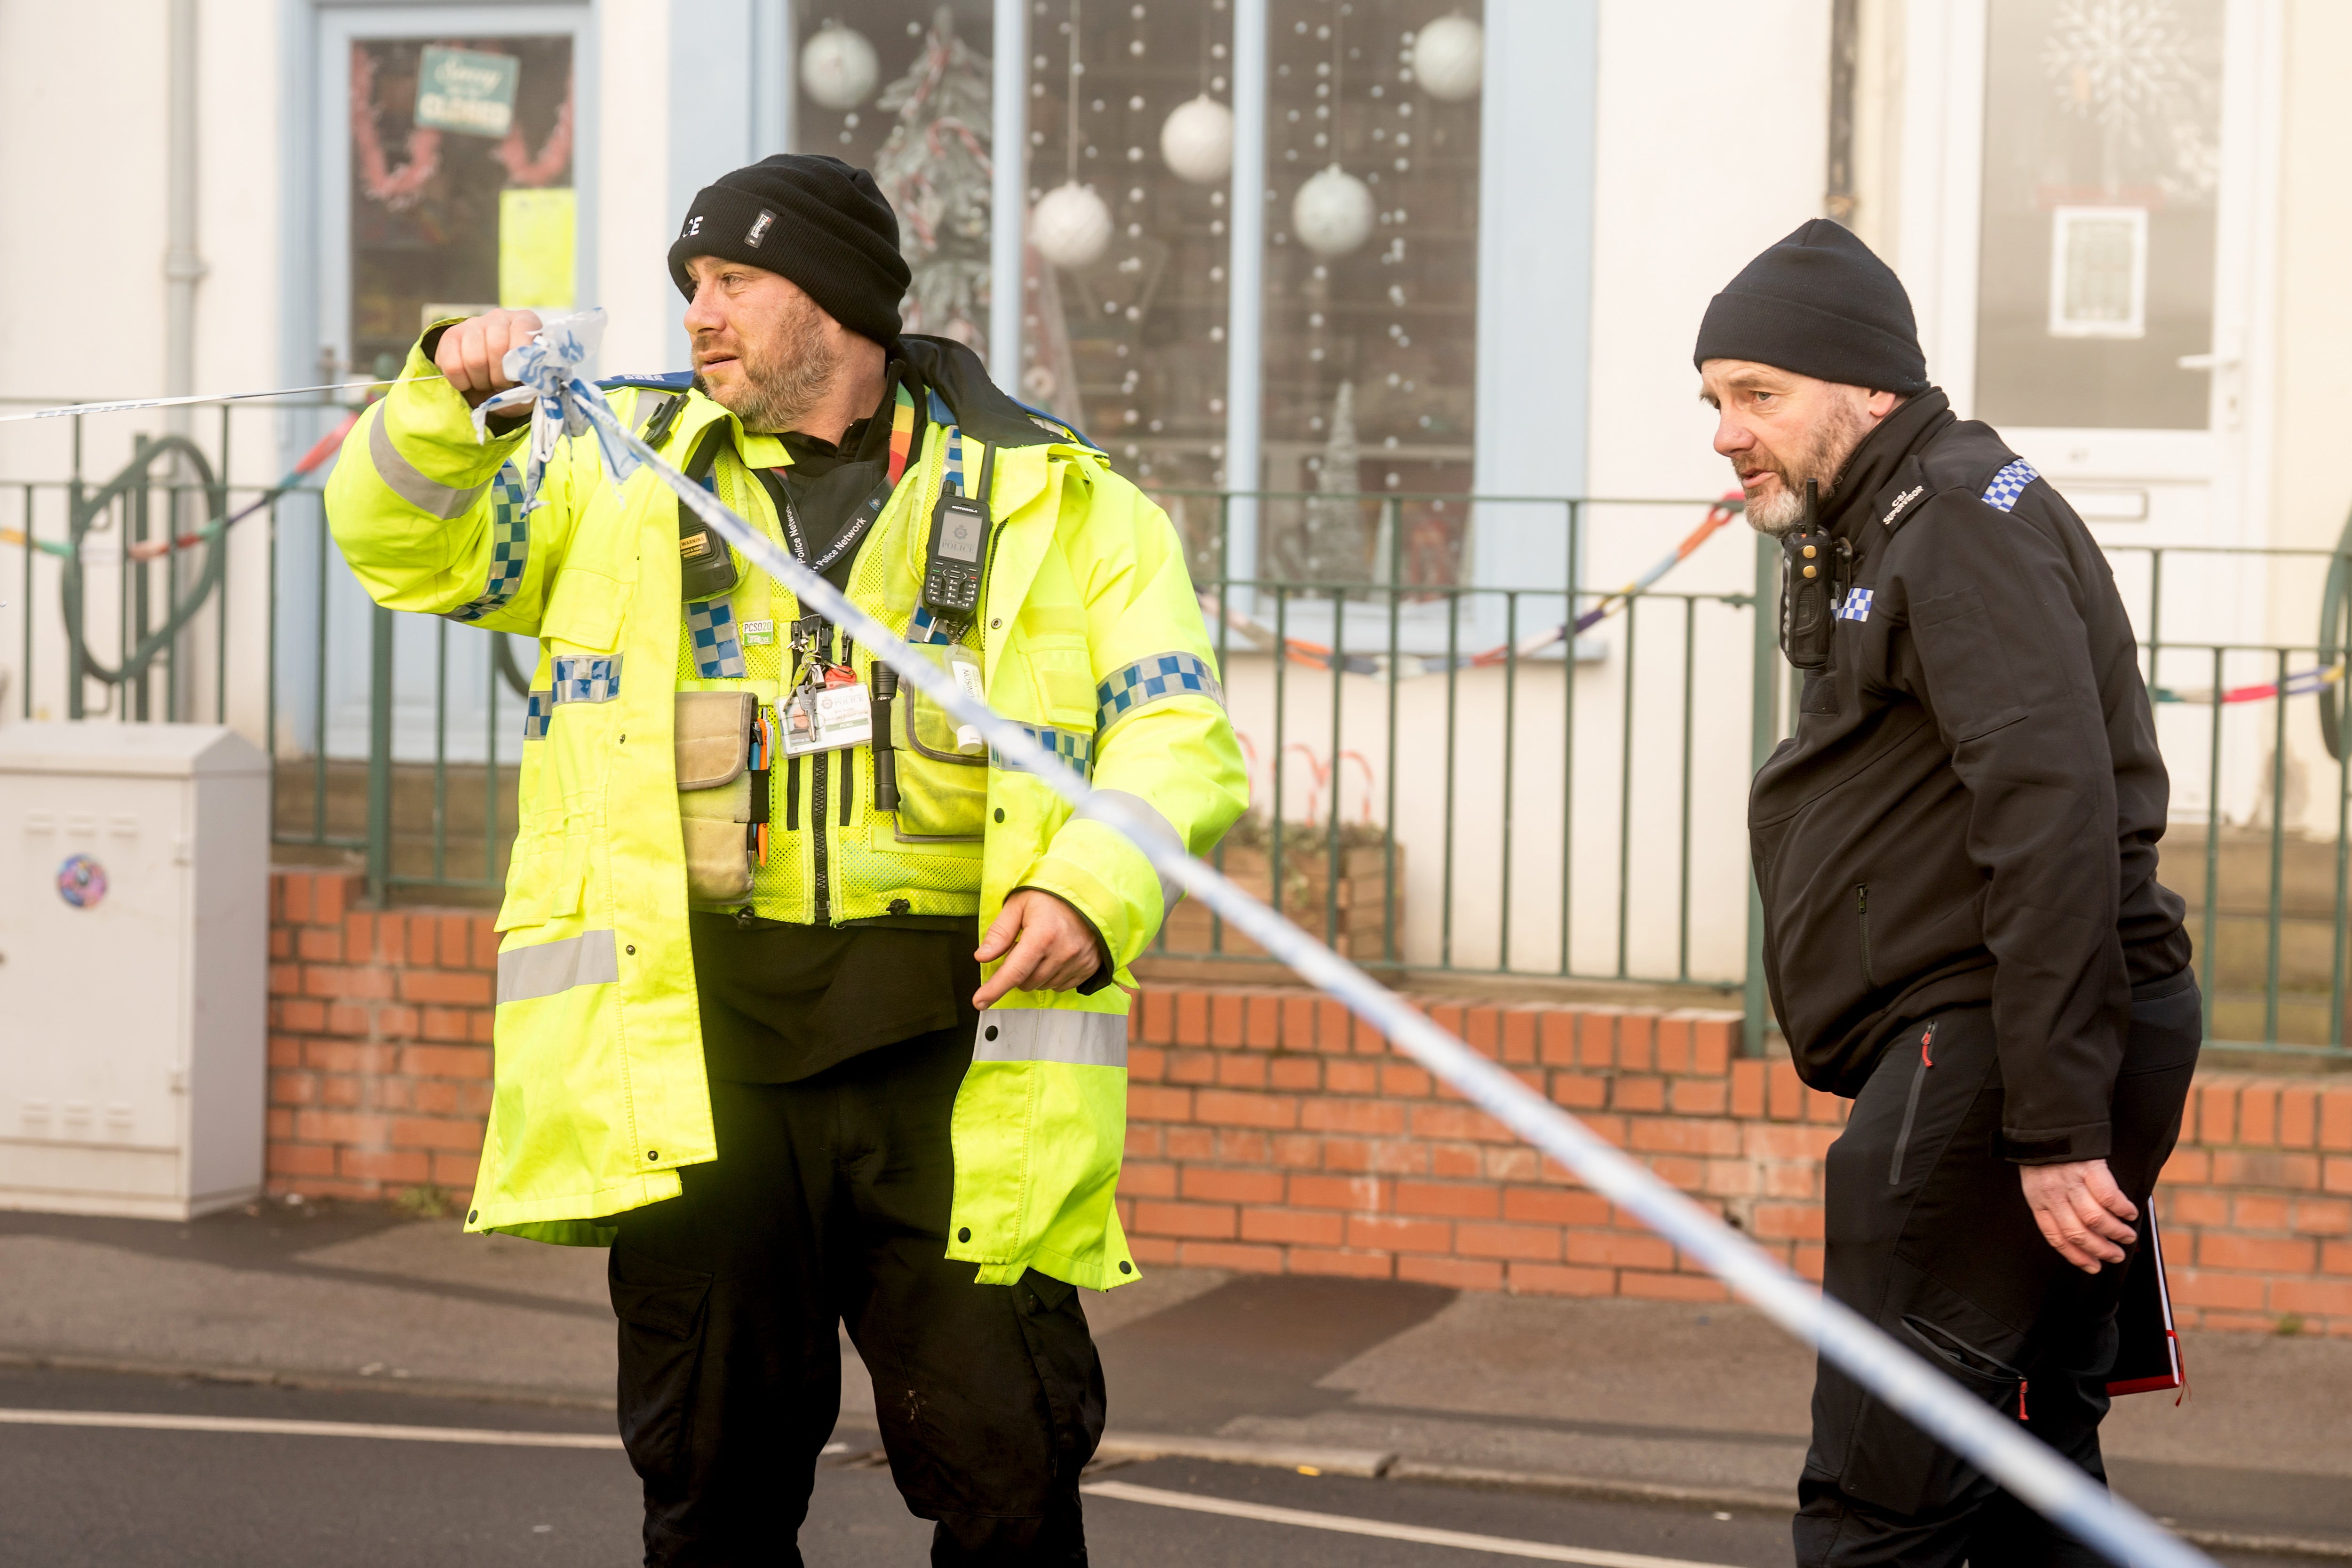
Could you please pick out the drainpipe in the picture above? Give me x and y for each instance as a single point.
(182, 266)
(1838, 199)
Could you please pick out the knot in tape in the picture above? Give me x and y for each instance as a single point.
(549, 371)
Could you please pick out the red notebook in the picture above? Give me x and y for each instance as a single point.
(2149, 1358)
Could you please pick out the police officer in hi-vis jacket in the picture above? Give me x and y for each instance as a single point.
(809, 1006)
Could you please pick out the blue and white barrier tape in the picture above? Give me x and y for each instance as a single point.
(1993, 1443)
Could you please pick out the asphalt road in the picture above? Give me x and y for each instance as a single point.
(115, 1495)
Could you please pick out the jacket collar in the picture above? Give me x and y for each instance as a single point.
(1880, 461)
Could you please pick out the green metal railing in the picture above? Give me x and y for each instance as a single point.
(1573, 813)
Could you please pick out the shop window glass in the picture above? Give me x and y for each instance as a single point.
(461, 184)
(1124, 287)
(1370, 297)
(903, 88)
(2101, 168)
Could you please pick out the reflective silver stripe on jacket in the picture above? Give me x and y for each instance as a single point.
(425, 494)
(1052, 1035)
(1153, 823)
(589, 959)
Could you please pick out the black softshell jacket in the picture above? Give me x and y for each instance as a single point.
(1969, 807)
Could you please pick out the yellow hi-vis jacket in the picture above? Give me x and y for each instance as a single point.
(1088, 633)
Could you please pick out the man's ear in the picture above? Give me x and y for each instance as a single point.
(1882, 404)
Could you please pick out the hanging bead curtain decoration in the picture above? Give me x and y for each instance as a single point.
(838, 67)
(1070, 226)
(1449, 58)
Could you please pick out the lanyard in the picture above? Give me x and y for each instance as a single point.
(902, 439)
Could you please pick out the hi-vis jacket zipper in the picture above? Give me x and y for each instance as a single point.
(1911, 1105)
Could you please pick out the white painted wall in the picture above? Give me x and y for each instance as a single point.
(1712, 143)
(82, 204)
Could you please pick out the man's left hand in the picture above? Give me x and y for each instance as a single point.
(2081, 1211)
(1053, 947)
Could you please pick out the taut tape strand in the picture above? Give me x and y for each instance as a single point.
(1908, 1384)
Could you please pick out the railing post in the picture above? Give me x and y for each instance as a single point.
(1763, 735)
(379, 777)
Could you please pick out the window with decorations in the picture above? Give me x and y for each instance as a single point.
(461, 184)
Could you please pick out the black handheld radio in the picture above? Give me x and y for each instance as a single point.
(1814, 566)
(706, 567)
(958, 552)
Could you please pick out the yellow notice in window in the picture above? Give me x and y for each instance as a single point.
(535, 249)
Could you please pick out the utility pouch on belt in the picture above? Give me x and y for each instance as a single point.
(722, 792)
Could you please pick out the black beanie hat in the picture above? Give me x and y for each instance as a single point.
(1821, 304)
(816, 220)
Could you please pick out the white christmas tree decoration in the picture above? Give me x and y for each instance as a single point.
(1070, 226)
(838, 67)
(1197, 141)
(1332, 213)
(935, 170)
(1449, 58)
(1335, 518)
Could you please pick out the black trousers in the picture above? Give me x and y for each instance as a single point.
(829, 1205)
(1930, 1237)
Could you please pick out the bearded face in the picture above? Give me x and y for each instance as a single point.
(762, 348)
(1774, 479)
(782, 368)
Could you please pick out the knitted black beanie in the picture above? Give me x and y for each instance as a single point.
(1821, 304)
(815, 219)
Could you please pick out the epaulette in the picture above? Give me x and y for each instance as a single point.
(1056, 425)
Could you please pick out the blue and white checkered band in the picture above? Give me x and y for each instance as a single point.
(537, 709)
(510, 547)
(1856, 607)
(2009, 484)
(718, 651)
(588, 678)
(1147, 680)
(1073, 748)
(924, 629)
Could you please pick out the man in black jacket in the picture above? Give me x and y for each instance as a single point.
(1964, 932)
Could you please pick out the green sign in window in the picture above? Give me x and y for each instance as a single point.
(466, 91)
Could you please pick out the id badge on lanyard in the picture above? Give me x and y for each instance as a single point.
(830, 710)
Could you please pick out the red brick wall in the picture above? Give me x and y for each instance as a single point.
(379, 1041)
(1268, 1130)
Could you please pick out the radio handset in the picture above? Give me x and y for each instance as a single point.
(706, 567)
(1814, 566)
(957, 553)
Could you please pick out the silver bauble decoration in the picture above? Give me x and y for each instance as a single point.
(1449, 58)
(838, 69)
(1070, 226)
(1197, 141)
(1332, 213)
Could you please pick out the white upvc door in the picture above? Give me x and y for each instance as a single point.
(2086, 225)
(411, 225)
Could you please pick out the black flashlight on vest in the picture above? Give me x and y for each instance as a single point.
(1814, 567)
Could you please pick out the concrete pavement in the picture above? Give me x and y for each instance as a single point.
(1705, 1402)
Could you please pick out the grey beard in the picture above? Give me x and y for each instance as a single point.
(1779, 516)
(1825, 461)
(784, 390)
